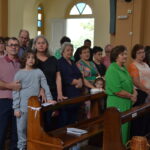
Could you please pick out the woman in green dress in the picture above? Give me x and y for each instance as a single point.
(119, 85)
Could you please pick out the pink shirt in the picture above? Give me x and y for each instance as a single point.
(8, 69)
(106, 61)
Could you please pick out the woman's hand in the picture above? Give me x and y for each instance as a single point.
(42, 95)
(61, 97)
(79, 83)
(134, 96)
(17, 114)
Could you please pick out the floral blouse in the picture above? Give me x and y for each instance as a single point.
(89, 72)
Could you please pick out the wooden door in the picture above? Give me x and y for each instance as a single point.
(129, 24)
(124, 24)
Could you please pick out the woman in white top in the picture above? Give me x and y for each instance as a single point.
(140, 73)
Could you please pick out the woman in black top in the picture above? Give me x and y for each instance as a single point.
(48, 64)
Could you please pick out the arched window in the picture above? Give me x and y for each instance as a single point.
(40, 20)
(80, 16)
(81, 8)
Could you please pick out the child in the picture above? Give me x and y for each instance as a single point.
(31, 80)
(100, 83)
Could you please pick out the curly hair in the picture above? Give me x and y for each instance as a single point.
(24, 59)
(136, 48)
(116, 51)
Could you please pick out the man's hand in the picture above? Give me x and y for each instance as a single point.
(15, 85)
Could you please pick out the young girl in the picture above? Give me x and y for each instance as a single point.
(31, 80)
(100, 84)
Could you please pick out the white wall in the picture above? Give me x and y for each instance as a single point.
(15, 16)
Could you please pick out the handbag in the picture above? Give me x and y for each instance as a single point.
(138, 143)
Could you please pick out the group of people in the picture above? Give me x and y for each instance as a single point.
(130, 87)
(28, 69)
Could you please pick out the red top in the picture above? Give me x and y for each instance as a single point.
(8, 69)
(106, 61)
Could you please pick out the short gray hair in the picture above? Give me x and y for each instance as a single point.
(23, 30)
(64, 45)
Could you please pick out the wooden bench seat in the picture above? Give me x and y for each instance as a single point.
(93, 126)
(58, 139)
(112, 139)
(109, 124)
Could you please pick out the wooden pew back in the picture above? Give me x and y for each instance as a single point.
(113, 120)
(109, 123)
(38, 139)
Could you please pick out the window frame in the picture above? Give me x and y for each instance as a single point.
(40, 11)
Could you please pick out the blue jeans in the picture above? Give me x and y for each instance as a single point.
(6, 117)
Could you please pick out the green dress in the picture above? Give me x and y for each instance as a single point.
(117, 79)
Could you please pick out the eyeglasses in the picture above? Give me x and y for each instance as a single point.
(13, 45)
(140, 52)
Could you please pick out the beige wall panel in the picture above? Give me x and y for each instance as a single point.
(138, 22)
(129, 31)
(102, 36)
(15, 16)
(146, 23)
(123, 25)
(3, 18)
(53, 10)
(30, 17)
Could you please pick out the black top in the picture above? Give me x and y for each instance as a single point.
(50, 68)
(101, 68)
(68, 73)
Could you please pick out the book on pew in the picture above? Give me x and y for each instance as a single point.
(46, 104)
(76, 131)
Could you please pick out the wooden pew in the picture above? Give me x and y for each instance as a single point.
(113, 120)
(58, 139)
(109, 124)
